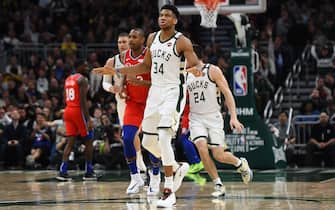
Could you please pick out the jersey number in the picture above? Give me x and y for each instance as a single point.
(159, 69)
(199, 97)
(70, 94)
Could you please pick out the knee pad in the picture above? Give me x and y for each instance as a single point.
(129, 132)
(150, 143)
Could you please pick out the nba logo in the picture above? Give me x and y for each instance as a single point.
(240, 80)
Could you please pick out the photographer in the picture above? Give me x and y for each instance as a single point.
(108, 149)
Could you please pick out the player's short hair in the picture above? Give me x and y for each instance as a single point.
(140, 31)
(122, 34)
(172, 8)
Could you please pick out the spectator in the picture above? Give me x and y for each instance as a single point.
(321, 145)
(42, 84)
(109, 149)
(68, 47)
(280, 129)
(59, 69)
(321, 94)
(13, 67)
(14, 136)
(41, 142)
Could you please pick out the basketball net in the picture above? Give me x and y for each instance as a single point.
(208, 11)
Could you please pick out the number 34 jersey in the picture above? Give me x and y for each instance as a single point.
(72, 92)
(165, 67)
(204, 95)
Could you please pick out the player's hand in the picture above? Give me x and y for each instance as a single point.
(136, 81)
(236, 125)
(195, 71)
(104, 70)
(115, 89)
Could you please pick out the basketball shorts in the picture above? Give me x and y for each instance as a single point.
(133, 113)
(209, 126)
(75, 122)
(163, 109)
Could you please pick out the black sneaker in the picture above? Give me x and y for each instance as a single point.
(63, 177)
(91, 177)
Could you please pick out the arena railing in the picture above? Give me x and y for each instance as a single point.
(24, 51)
(303, 126)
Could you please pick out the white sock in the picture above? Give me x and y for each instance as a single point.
(239, 162)
(217, 181)
(169, 183)
(135, 176)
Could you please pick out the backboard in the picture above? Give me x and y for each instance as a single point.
(186, 7)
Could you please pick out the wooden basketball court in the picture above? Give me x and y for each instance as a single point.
(271, 189)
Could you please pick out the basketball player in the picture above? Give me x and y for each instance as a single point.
(119, 91)
(206, 122)
(77, 121)
(137, 88)
(166, 95)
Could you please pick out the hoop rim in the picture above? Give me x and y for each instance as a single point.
(211, 5)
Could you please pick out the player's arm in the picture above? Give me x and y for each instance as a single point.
(140, 68)
(139, 82)
(83, 88)
(216, 75)
(184, 46)
(107, 80)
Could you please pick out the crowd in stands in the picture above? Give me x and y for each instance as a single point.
(31, 103)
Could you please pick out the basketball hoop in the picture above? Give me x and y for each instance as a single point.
(208, 11)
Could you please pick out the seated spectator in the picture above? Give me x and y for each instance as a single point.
(279, 130)
(41, 142)
(68, 47)
(14, 136)
(13, 67)
(321, 145)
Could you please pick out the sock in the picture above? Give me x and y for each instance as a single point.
(132, 167)
(238, 164)
(155, 164)
(135, 176)
(89, 167)
(189, 150)
(129, 132)
(217, 181)
(63, 168)
(169, 183)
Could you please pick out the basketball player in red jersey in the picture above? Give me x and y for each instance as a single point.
(115, 84)
(77, 121)
(135, 103)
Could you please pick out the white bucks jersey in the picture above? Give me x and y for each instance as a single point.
(204, 94)
(118, 78)
(165, 67)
